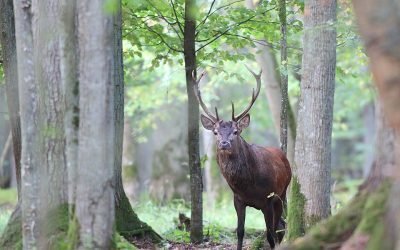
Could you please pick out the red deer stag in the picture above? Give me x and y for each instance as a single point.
(258, 176)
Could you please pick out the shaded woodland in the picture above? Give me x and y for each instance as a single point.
(104, 144)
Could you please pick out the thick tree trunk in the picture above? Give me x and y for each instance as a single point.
(355, 226)
(196, 185)
(310, 194)
(95, 184)
(30, 132)
(8, 47)
(46, 47)
(378, 24)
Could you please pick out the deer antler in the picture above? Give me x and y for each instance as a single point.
(198, 96)
(253, 97)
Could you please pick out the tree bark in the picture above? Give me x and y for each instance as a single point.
(46, 47)
(95, 184)
(5, 174)
(378, 25)
(311, 177)
(30, 133)
(355, 226)
(70, 85)
(126, 220)
(196, 185)
(8, 47)
(284, 78)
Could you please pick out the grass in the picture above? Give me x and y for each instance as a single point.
(219, 219)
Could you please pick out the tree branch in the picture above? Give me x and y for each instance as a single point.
(230, 28)
(208, 14)
(162, 39)
(160, 15)
(176, 16)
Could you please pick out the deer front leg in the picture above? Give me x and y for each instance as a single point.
(241, 216)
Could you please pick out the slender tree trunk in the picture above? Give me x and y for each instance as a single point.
(95, 184)
(196, 185)
(8, 47)
(311, 180)
(30, 133)
(126, 220)
(5, 173)
(272, 82)
(284, 78)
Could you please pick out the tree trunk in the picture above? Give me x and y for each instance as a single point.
(127, 222)
(70, 85)
(5, 173)
(30, 133)
(8, 47)
(284, 78)
(310, 194)
(95, 184)
(378, 24)
(355, 226)
(272, 82)
(46, 47)
(196, 185)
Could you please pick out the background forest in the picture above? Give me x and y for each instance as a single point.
(228, 36)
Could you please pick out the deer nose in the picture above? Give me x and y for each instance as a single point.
(224, 145)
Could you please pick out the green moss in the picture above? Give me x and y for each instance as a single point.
(374, 211)
(129, 225)
(119, 242)
(296, 227)
(12, 235)
(360, 216)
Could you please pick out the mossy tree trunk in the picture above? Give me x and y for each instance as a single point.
(359, 225)
(378, 25)
(127, 222)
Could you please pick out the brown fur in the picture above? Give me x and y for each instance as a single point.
(258, 177)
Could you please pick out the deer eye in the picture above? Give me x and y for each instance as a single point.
(235, 132)
(215, 133)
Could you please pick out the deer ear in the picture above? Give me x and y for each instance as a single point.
(207, 122)
(244, 122)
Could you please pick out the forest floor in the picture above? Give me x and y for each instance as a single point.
(247, 245)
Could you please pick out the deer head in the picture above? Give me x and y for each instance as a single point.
(226, 133)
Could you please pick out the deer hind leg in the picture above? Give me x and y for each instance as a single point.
(279, 223)
(272, 216)
(241, 216)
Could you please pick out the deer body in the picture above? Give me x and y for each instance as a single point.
(258, 176)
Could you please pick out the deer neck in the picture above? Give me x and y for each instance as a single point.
(236, 166)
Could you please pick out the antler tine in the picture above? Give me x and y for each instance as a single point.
(216, 114)
(200, 100)
(233, 111)
(253, 96)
